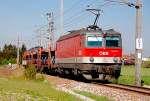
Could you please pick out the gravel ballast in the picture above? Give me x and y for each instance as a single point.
(111, 93)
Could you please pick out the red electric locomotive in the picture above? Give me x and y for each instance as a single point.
(93, 53)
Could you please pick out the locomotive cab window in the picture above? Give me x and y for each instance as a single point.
(94, 41)
(112, 41)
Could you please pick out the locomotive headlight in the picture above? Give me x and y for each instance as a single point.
(115, 59)
(91, 59)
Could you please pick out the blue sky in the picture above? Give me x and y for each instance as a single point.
(26, 16)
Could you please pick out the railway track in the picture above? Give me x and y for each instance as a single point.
(140, 90)
(112, 91)
(135, 89)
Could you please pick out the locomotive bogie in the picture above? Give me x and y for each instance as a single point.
(94, 70)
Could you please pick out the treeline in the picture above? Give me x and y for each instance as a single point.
(8, 53)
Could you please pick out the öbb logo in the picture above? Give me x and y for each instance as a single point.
(103, 53)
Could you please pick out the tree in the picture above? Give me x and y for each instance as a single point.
(22, 50)
(9, 51)
(8, 54)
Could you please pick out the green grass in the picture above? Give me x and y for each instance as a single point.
(93, 96)
(33, 89)
(128, 75)
(6, 61)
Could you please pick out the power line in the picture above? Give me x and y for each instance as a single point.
(70, 9)
(75, 5)
(121, 2)
(80, 20)
(73, 18)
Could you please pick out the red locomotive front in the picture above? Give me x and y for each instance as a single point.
(90, 52)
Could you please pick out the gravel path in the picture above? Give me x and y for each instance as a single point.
(111, 93)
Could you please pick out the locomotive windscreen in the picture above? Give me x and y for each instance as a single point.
(94, 41)
(112, 41)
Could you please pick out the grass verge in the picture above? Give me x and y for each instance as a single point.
(93, 96)
(128, 75)
(31, 90)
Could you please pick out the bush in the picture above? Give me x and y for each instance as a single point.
(3, 61)
(13, 60)
(40, 77)
(30, 72)
(6, 61)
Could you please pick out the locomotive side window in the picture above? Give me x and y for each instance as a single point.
(94, 41)
(112, 41)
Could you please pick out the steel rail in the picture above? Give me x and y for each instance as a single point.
(136, 89)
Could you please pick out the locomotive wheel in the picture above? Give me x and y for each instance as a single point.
(58, 70)
(104, 76)
(75, 71)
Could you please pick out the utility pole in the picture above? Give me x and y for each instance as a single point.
(51, 35)
(139, 46)
(51, 30)
(62, 17)
(40, 38)
(18, 55)
(138, 38)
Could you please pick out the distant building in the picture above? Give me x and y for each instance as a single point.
(145, 59)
